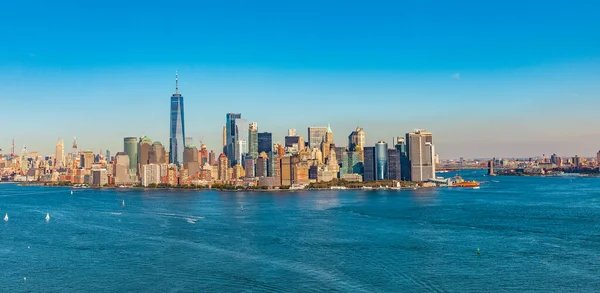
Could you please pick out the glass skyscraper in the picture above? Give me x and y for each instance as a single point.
(265, 142)
(369, 164)
(231, 136)
(381, 160)
(177, 127)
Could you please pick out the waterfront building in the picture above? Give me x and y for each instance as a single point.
(144, 150)
(231, 120)
(351, 164)
(121, 169)
(157, 154)
(265, 142)
(130, 148)
(237, 172)
(223, 166)
(286, 170)
(300, 173)
(404, 162)
(225, 139)
(369, 164)
(87, 159)
(316, 136)
(190, 161)
(381, 160)
(253, 140)
(99, 177)
(356, 139)
(212, 158)
(177, 126)
(202, 155)
(327, 142)
(420, 155)
(59, 157)
(262, 165)
(394, 165)
(249, 166)
(150, 174)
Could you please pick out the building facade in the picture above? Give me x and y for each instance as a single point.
(369, 164)
(130, 148)
(253, 140)
(420, 155)
(177, 127)
(316, 136)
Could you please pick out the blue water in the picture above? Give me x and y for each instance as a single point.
(534, 234)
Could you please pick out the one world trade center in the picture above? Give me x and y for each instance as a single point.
(177, 126)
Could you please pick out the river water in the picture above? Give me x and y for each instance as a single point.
(534, 234)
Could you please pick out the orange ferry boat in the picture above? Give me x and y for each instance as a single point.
(462, 183)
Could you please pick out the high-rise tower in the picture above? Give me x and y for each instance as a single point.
(60, 154)
(420, 155)
(177, 126)
(232, 135)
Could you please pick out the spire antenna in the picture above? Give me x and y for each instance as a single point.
(176, 82)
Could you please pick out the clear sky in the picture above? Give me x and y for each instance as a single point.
(508, 78)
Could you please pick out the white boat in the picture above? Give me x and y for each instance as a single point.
(367, 187)
(476, 187)
(123, 203)
(71, 192)
(47, 217)
(6, 218)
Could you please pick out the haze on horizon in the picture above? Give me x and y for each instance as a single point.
(509, 79)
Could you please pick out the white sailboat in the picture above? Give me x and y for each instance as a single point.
(47, 217)
(6, 217)
(71, 192)
(123, 203)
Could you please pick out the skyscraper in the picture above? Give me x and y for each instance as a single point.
(265, 142)
(356, 139)
(223, 168)
(130, 148)
(60, 154)
(232, 138)
(190, 160)
(394, 166)
(381, 160)
(157, 155)
(121, 172)
(369, 164)
(87, 159)
(144, 152)
(316, 136)
(177, 126)
(420, 155)
(253, 140)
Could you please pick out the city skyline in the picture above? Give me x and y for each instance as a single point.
(485, 90)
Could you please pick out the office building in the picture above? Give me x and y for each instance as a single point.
(121, 169)
(356, 139)
(130, 148)
(253, 140)
(203, 155)
(420, 155)
(157, 155)
(177, 126)
(351, 163)
(59, 157)
(144, 152)
(249, 166)
(99, 177)
(87, 159)
(316, 136)
(394, 166)
(190, 161)
(262, 165)
(212, 160)
(381, 160)
(265, 142)
(369, 164)
(232, 135)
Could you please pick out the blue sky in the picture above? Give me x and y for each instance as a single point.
(511, 78)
